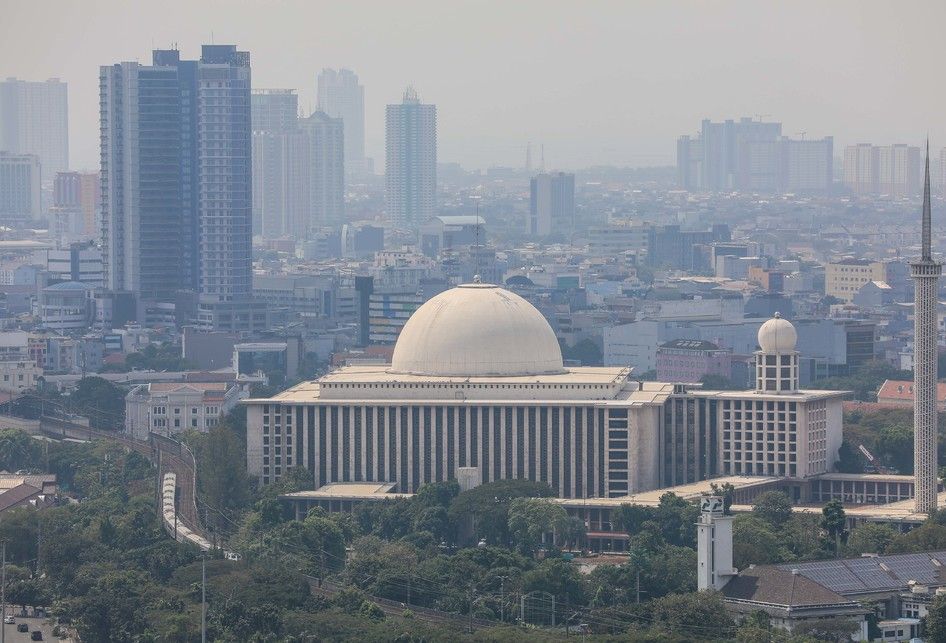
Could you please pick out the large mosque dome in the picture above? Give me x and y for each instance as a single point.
(777, 335)
(477, 330)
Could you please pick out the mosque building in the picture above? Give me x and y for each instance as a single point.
(477, 388)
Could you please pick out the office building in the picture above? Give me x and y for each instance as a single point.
(78, 193)
(926, 273)
(34, 120)
(551, 204)
(148, 176)
(340, 95)
(80, 262)
(170, 408)
(690, 360)
(675, 248)
(411, 161)
(843, 279)
(177, 181)
(324, 147)
(280, 168)
(477, 387)
(20, 188)
(447, 233)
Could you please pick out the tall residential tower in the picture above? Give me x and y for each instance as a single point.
(925, 272)
(411, 161)
(34, 120)
(177, 181)
(340, 95)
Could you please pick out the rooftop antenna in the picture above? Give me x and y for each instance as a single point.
(542, 159)
(529, 156)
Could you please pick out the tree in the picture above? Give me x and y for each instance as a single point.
(677, 519)
(487, 506)
(531, 518)
(587, 352)
(834, 523)
(221, 471)
(870, 538)
(755, 542)
(18, 450)
(774, 507)
(936, 620)
(697, 615)
(927, 537)
(631, 518)
(101, 401)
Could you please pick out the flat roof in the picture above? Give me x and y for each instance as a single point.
(349, 491)
(867, 477)
(687, 491)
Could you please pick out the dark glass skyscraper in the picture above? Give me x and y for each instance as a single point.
(177, 179)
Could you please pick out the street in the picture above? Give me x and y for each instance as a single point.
(43, 624)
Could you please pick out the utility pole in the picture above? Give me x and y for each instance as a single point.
(638, 586)
(565, 591)
(471, 608)
(502, 599)
(3, 593)
(203, 599)
(39, 544)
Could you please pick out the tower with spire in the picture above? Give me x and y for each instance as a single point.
(925, 273)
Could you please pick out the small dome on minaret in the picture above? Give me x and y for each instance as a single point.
(777, 335)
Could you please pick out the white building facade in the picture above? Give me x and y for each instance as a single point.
(477, 381)
(169, 408)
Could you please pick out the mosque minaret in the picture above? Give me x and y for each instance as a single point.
(925, 273)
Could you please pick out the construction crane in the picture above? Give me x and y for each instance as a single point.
(802, 134)
(759, 117)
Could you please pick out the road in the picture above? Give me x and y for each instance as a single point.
(44, 625)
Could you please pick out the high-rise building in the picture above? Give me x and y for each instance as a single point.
(899, 170)
(894, 170)
(690, 163)
(551, 204)
(177, 181)
(860, 168)
(19, 188)
(753, 156)
(806, 166)
(280, 168)
(925, 272)
(148, 175)
(76, 200)
(34, 120)
(325, 158)
(411, 161)
(274, 110)
(340, 95)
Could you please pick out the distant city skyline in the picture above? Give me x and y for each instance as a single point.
(604, 87)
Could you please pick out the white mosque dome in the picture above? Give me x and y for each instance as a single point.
(477, 330)
(777, 336)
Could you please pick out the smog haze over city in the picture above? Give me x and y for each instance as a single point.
(600, 83)
(468, 321)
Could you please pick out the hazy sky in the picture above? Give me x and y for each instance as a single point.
(596, 82)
